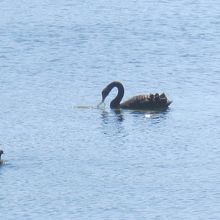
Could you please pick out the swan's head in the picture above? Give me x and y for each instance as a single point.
(105, 92)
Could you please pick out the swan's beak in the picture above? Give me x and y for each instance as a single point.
(101, 105)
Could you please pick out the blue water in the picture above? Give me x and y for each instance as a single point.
(67, 162)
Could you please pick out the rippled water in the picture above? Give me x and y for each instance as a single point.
(67, 162)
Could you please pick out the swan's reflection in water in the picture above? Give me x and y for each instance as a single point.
(118, 121)
(116, 115)
(113, 123)
(119, 115)
(158, 117)
(151, 116)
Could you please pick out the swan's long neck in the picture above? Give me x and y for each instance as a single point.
(115, 103)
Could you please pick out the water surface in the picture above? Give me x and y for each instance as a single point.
(65, 162)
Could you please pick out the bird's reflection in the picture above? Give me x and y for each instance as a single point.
(124, 124)
(154, 116)
(113, 123)
(119, 115)
(116, 114)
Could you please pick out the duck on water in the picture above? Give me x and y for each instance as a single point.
(139, 102)
(1, 152)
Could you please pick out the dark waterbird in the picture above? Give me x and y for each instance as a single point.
(139, 102)
(1, 152)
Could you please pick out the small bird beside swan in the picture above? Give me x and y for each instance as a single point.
(139, 102)
(1, 152)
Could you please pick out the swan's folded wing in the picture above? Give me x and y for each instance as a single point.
(136, 102)
(145, 102)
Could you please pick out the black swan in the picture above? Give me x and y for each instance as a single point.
(140, 102)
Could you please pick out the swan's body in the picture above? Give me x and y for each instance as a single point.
(141, 102)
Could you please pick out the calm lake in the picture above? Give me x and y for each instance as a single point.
(66, 159)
